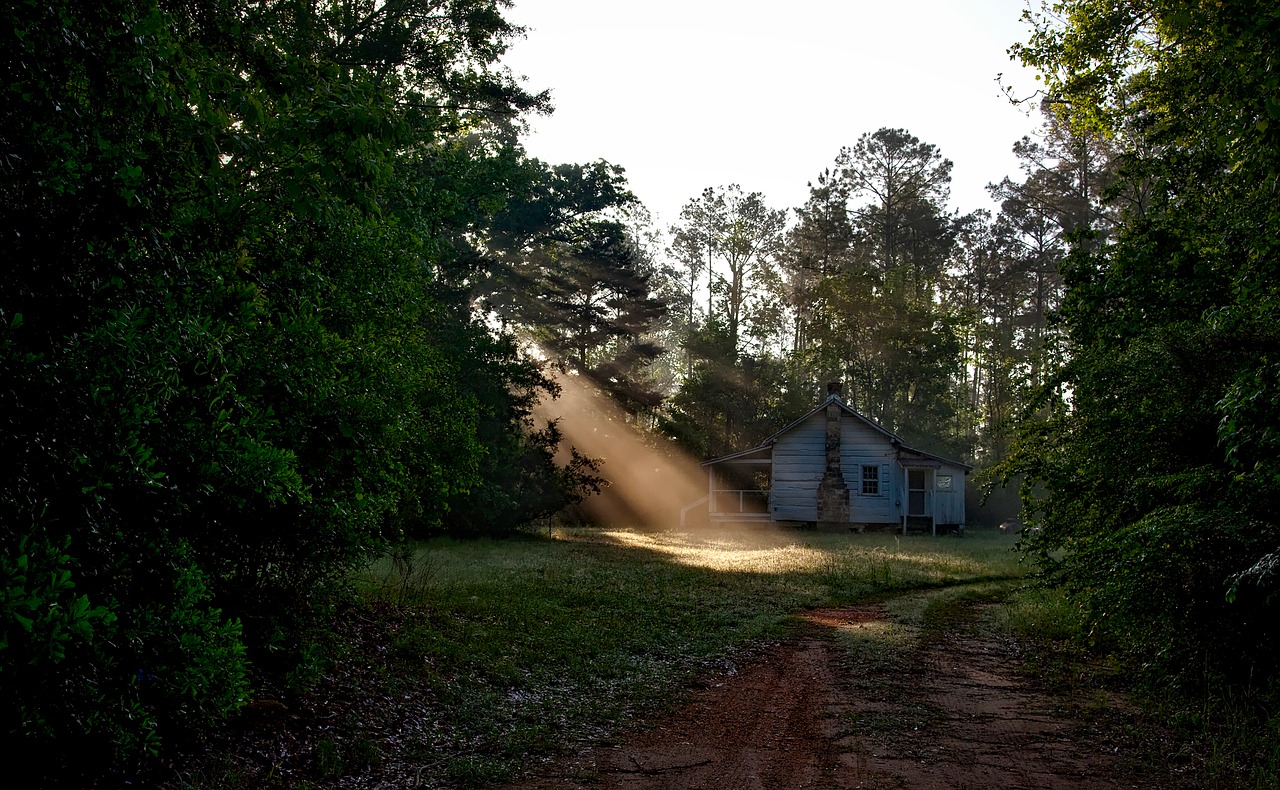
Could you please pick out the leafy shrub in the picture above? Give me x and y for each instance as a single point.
(1159, 588)
(94, 686)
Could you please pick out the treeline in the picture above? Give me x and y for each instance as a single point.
(937, 322)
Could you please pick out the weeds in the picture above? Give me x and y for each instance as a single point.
(403, 576)
(328, 759)
(1235, 734)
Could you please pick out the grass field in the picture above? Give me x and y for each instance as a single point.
(528, 644)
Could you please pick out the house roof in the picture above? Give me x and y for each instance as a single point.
(894, 439)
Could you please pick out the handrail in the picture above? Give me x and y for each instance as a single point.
(742, 498)
(712, 511)
(684, 511)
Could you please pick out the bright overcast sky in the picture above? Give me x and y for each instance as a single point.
(687, 94)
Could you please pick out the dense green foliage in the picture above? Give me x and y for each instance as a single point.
(236, 344)
(1154, 443)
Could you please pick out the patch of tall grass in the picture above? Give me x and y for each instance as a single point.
(1043, 613)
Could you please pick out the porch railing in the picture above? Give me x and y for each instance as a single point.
(736, 501)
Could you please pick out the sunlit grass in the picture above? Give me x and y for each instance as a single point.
(808, 557)
(912, 621)
(876, 645)
(845, 565)
(722, 551)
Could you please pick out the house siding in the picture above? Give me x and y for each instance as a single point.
(861, 445)
(798, 463)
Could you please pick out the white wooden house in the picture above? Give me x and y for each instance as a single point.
(836, 469)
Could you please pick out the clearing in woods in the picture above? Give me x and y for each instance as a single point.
(553, 662)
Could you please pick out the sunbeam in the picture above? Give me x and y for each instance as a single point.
(650, 479)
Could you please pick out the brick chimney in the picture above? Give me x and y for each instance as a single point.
(833, 492)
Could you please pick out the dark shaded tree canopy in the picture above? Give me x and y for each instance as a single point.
(1151, 438)
(236, 346)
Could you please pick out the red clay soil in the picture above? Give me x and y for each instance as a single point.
(801, 716)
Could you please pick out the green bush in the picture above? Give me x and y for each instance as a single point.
(1150, 453)
(94, 686)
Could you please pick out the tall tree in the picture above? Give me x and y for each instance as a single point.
(905, 184)
(1154, 445)
(876, 235)
(1067, 173)
(695, 243)
(571, 274)
(818, 246)
(231, 362)
(739, 235)
(735, 385)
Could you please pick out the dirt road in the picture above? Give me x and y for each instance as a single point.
(949, 712)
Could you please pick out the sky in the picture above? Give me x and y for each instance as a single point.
(689, 94)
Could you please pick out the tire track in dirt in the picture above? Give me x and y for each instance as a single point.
(756, 729)
(800, 715)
